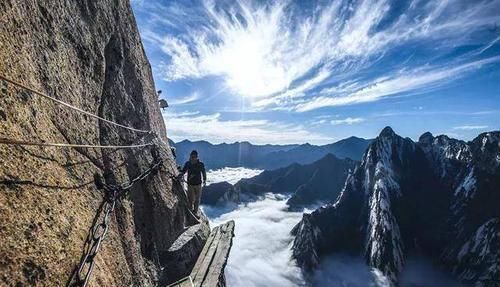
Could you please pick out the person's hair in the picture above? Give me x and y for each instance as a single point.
(194, 152)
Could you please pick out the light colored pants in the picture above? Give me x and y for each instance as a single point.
(194, 196)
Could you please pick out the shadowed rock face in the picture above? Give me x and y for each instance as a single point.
(438, 196)
(325, 183)
(219, 192)
(89, 54)
(181, 257)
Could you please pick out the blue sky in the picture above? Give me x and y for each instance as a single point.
(320, 71)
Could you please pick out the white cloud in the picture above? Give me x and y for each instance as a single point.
(293, 93)
(259, 53)
(277, 52)
(489, 45)
(215, 129)
(436, 112)
(319, 122)
(181, 58)
(185, 100)
(347, 121)
(182, 114)
(231, 174)
(263, 258)
(403, 82)
(470, 127)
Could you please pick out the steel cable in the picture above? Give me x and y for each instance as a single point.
(7, 141)
(69, 105)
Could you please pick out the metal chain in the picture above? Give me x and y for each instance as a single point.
(97, 232)
(81, 274)
(113, 193)
(145, 174)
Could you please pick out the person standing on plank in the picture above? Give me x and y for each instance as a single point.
(196, 176)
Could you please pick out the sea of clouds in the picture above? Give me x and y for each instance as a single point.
(230, 174)
(261, 254)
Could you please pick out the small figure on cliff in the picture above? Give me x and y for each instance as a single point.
(195, 178)
(163, 102)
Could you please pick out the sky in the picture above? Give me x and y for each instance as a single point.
(318, 71)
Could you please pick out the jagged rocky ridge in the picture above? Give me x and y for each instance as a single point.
(89, 54)
(320, 181)
(219, 192)
(438, 196)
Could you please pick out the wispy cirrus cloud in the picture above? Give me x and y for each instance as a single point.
(183, 114)
(471, 127)
(347, 121)
(185, 100)
(213, 128)
(281, 53)
(489, 45)
(420, 79)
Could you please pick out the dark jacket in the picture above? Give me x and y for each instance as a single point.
(195, 172)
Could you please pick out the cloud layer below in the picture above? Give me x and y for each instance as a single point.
(261, 254)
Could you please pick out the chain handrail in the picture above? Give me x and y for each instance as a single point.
(97, 232)
(82, 272)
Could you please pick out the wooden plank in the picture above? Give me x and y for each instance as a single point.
(204, 251)
(206, 260)
(208, 270)
(216, 270)
(184, 282)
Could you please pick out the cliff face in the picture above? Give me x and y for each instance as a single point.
(89, 54)
(325, 183)
(438, 196)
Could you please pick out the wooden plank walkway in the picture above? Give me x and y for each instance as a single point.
(208, 270)
(184, 282)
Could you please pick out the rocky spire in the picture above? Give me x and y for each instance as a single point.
(387, 132)
(438, 195)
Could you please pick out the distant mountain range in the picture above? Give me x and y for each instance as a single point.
(320, 181)
(438, 196)
(245, 154)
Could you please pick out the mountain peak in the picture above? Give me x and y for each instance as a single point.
(354, 138)
(488, 137)
(329, 157)
(387, 132)
(426, 137)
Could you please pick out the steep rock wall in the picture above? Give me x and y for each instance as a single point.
(437, 197)
(87, 53)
